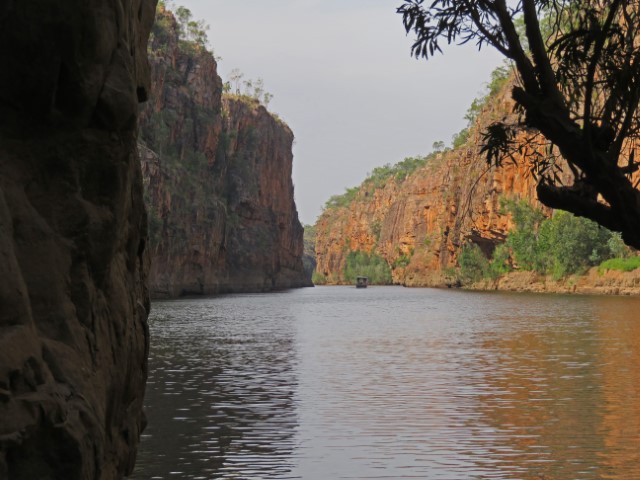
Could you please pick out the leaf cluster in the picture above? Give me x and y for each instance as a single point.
(451, 21)
(475, 266)
(560, 245)
(378, 178)
(360, 263)
(595, 49)
(398, 172)
(343, 200)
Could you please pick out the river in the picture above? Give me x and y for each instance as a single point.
(391, 383)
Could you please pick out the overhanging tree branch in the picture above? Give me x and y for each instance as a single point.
(582, 92)
(593, 65)
(538, 48)
(516, 51)
(574, 201)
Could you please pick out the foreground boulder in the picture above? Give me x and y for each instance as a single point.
(73, 301)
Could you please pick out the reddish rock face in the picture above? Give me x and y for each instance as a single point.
(427, 218)
(454, 198)
(218, 177)
(73, 297)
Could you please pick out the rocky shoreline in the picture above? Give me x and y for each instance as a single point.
(610, 282)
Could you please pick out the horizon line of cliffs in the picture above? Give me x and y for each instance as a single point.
(418, 225)
(217, 171)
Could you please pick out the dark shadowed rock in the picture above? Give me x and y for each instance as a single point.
(218, 169)
(73, 301)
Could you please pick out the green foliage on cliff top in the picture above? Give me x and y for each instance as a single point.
(398, 172)
(339, 201)
(247, 89)
(378, 178)
(191, 32)
(499, 78)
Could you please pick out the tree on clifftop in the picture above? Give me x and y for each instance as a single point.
(578, 68)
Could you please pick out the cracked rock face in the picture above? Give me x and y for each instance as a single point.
(73, 301)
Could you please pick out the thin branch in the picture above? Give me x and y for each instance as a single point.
(629, 117)
(493, 40)
(516, 52)
(538, 49)
(593, 64)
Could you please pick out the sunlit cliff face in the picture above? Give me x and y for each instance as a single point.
(455, 197)
(419, 225)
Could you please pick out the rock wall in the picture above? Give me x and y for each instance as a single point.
(218, 175)
(428, 216)
(73, 300)
(419, 224)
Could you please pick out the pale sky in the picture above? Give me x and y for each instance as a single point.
(344, 81)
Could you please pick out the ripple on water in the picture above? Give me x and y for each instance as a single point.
(393, 383)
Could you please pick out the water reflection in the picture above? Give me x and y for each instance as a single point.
(542, 397)
(620, 371)
(220, 393)
(331, 383)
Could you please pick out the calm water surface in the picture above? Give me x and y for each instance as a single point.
(390, 383)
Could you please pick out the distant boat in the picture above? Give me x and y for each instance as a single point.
(362, 282)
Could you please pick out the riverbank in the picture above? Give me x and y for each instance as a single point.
(610, 282)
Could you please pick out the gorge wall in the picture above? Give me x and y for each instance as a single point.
(419, 224)
(217, 170)
(73, 256)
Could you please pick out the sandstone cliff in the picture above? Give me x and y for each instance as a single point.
(218, 176)
(73, 300)
(418, 223)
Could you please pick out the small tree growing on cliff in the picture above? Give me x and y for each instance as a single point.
(191, 30)
(235, 77)
(252, 88)
(578, 88)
